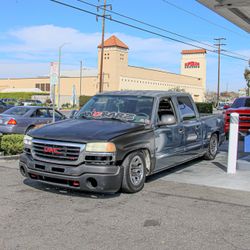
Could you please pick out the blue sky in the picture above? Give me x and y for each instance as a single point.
(32, 30)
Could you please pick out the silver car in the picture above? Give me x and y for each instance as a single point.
(21, 119)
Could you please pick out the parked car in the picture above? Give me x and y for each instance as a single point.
(224, 105)
(5, 100)
(241, 106)
(21, 119)
(4, 106)
(30, 103)
(119, 138)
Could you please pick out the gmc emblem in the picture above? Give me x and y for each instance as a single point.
(51, 150)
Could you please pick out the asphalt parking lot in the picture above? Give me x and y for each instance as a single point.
(165, 215)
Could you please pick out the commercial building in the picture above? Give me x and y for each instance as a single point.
(118, 75)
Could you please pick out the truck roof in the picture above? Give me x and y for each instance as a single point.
(151, 93)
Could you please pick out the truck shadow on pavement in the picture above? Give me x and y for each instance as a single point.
(183, 168)
(67, 191)
(219, 165)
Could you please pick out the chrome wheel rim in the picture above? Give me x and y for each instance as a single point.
(136, 170)
(213, 145)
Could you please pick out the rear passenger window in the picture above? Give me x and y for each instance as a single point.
(186, 108)
(41, 113)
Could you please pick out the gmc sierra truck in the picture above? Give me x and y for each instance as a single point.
(119, 138)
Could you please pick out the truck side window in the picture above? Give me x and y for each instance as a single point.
(186, 108)
(165, 108)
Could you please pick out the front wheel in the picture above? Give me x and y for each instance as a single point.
(212, 147)
(134, 172)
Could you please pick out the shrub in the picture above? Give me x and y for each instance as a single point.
(83, 99)
(12, 144)
(20, 95)
(66, 105)
(204, 107)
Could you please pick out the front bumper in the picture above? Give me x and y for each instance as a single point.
(83, 177)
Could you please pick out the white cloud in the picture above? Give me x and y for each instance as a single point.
(40, 44)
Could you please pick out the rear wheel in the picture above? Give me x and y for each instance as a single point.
(212, 147)
(134, 172)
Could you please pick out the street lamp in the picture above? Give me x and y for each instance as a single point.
(80, 78)
(59, 72)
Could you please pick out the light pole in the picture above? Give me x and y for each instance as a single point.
(80, 78)
(59, 72)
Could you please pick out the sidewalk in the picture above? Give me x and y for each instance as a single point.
(211, 173)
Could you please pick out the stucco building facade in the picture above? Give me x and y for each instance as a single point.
(119, 75)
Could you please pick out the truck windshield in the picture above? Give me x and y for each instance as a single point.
(137, 109)
(241, 102)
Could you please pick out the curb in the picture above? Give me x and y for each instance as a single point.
(10, 157)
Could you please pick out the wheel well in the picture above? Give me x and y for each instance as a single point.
(218, 135)
(30, 127)
(146, 153)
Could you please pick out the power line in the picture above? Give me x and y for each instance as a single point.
(141, 29)
(202, 18)
(156, 27)
(147, 24)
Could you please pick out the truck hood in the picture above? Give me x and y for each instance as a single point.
(85, 130)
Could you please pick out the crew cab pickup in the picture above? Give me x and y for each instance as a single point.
(241, 106)
(119, 138)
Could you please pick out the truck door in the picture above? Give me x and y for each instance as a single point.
(169, 139)
(191, 125)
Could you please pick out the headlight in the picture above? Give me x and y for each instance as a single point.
(101, 147)
(27, 140)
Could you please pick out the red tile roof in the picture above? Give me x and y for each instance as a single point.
(194, 51)
(113, 41)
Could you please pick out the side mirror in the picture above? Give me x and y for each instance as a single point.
(167, 120)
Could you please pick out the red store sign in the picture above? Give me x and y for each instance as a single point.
(192, 65)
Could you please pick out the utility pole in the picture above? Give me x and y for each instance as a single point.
(80, 78)
(219, 44)
(101, 75)
(102, 48)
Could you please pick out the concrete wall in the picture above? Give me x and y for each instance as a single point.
(89, 85)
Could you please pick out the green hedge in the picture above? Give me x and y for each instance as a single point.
(12, 144)
(83, 99)
(20, 95)
(204, 107)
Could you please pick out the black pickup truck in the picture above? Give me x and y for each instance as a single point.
(119, 138)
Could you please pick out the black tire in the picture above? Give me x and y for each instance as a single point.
(212, 149)
(134, 172)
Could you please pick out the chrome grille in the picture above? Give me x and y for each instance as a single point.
(59, 152)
